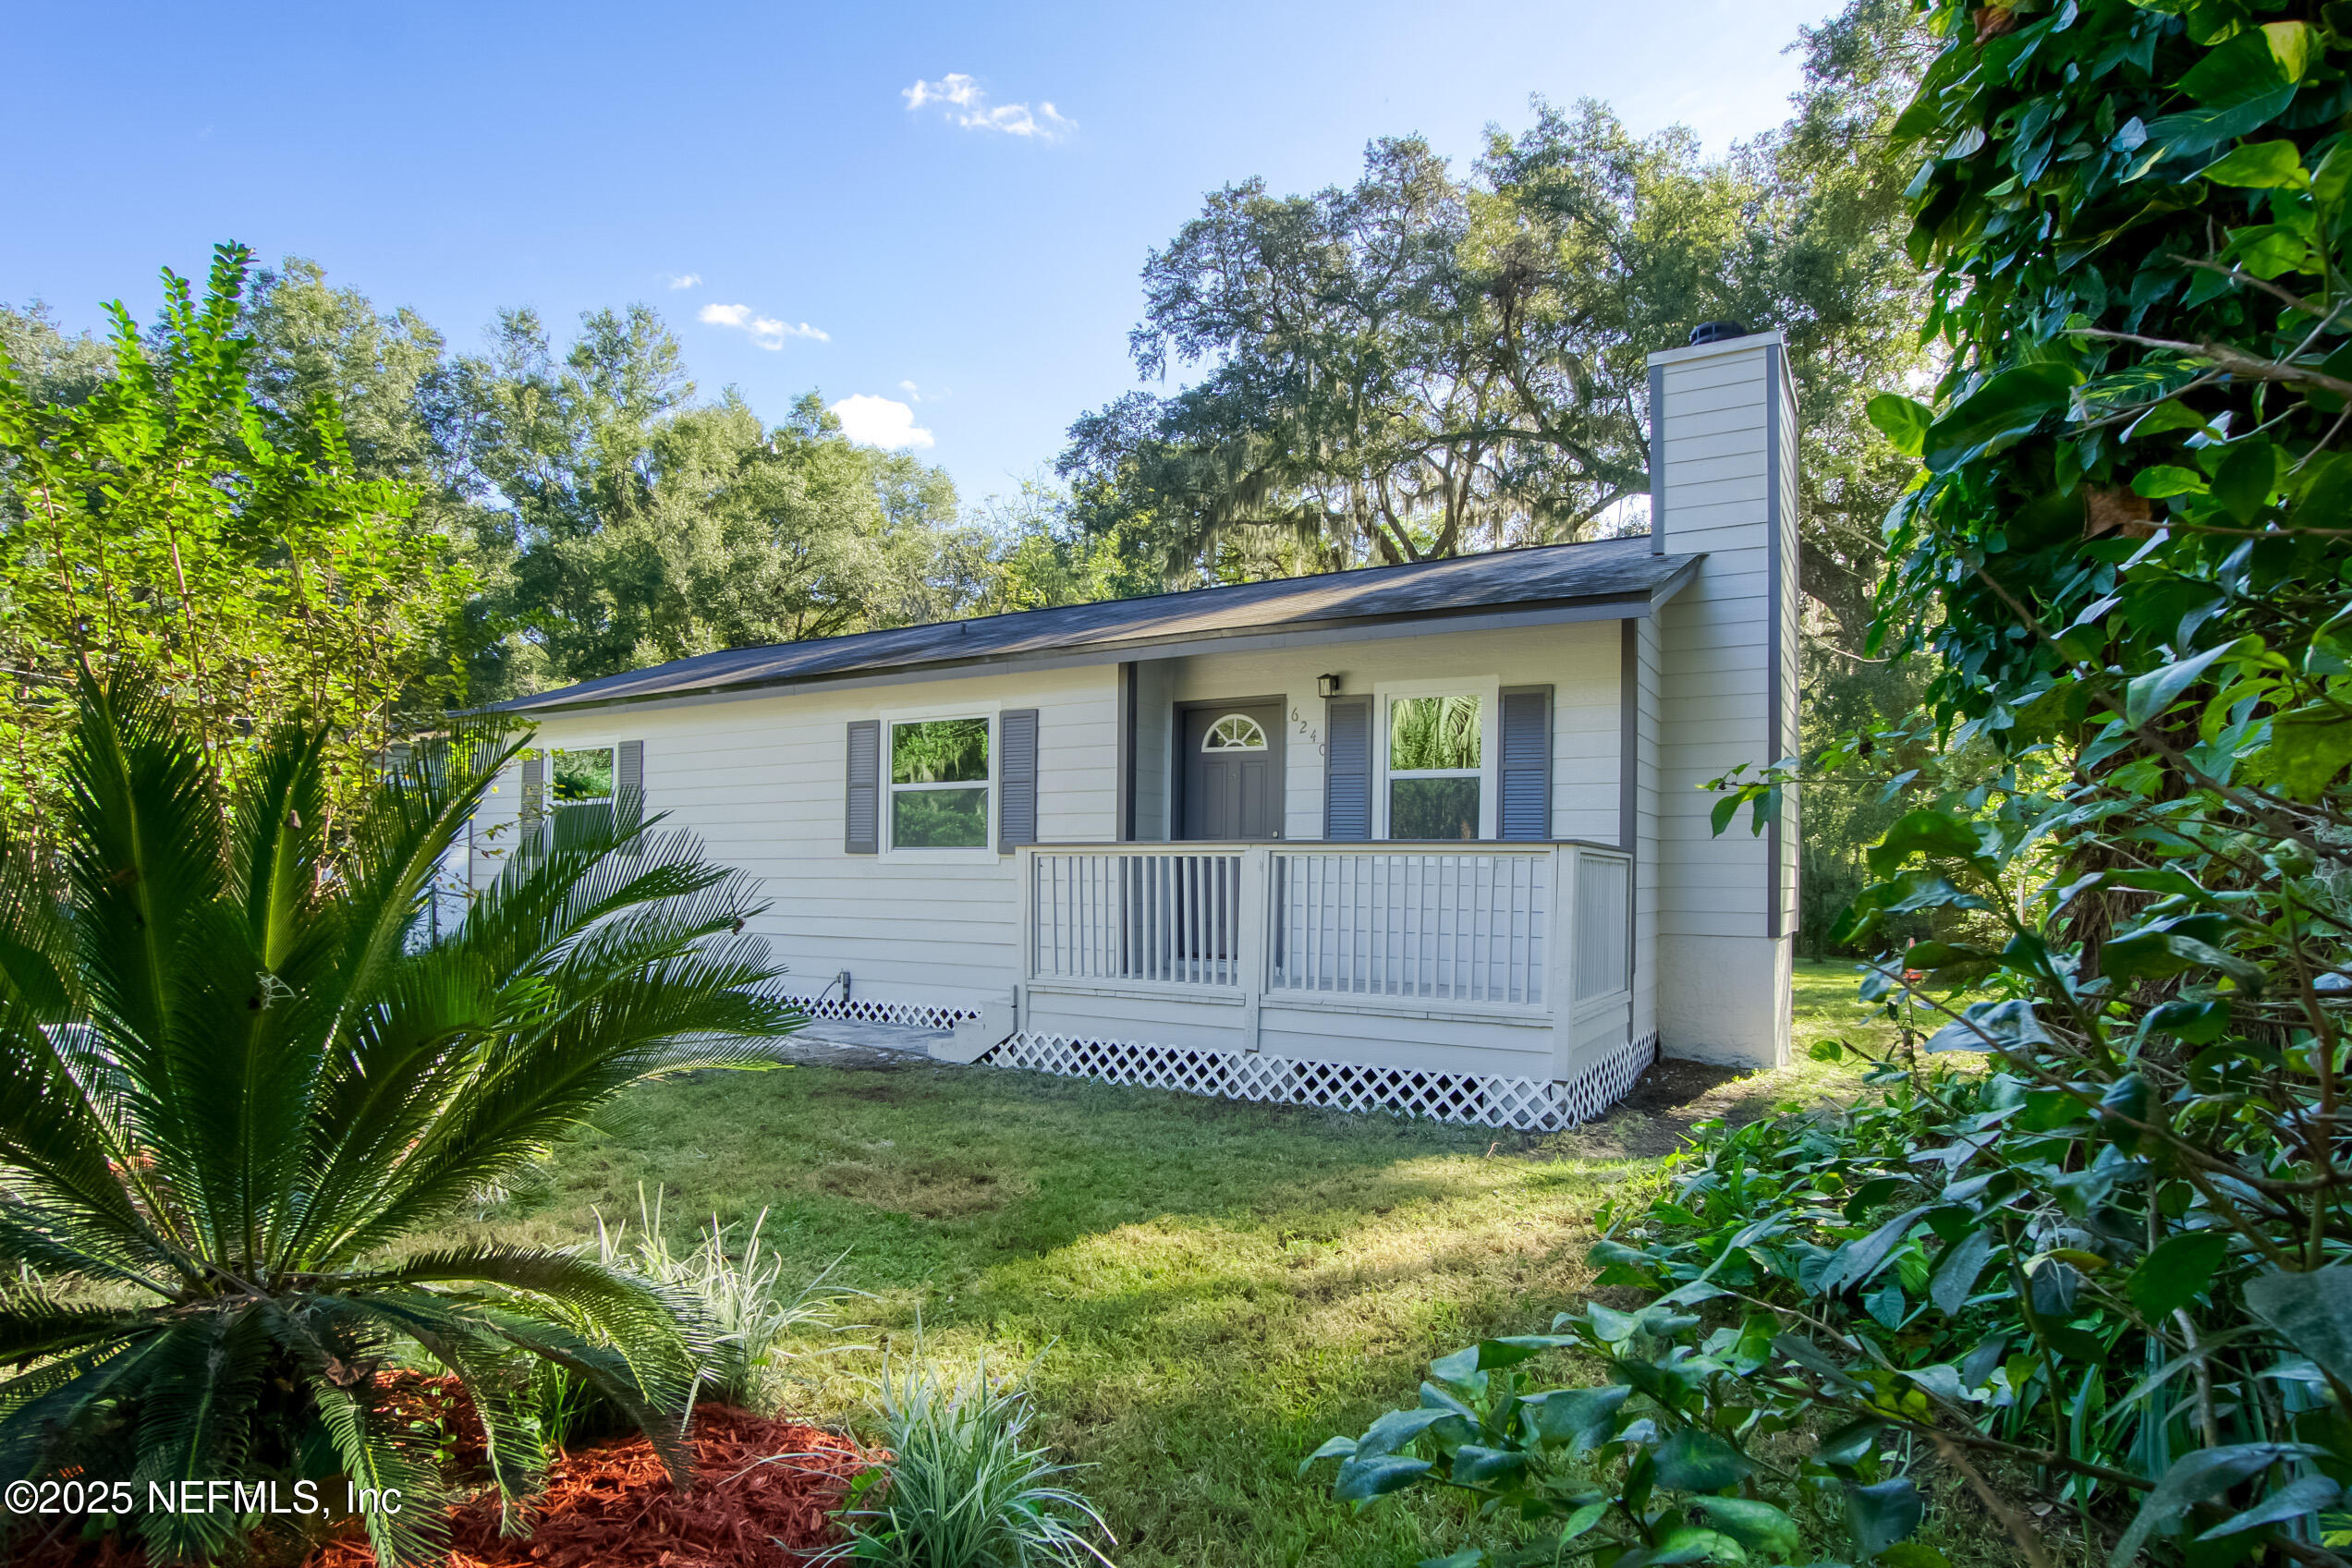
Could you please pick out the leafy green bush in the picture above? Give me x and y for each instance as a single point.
(963, 1488)
(2110, 1280)
(238, 1067)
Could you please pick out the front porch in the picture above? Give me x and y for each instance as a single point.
(1488, 982)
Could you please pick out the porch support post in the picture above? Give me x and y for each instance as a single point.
(1253, 950)
(1024, 934)
(1123, 808)
(1559, 959)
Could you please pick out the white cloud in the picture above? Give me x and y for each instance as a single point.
(766, 330)
(684, 280)
(880, 421)
(965, 101)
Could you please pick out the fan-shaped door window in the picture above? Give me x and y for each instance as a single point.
(1235, 731)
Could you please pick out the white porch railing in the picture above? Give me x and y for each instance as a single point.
(1436, 925)
(1164, 917)
(1603, 924)
(1525, 930)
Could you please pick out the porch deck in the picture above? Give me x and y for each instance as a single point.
(1488, 970)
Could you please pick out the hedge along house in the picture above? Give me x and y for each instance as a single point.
(1429, 837)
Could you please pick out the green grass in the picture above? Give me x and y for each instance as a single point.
(1208, 1289)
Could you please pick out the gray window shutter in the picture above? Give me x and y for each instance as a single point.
(1524, 806)
(1348, 767)
(864, 818)
(629, 787)
(1016, 779)
(534, 786)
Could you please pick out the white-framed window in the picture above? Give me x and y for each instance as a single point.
(940, 778)
(1437, 747)
(582, 775)
(1235, 731)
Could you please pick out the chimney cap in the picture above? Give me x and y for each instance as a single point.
(1716, 332)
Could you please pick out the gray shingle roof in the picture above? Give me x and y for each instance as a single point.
(1606, 571)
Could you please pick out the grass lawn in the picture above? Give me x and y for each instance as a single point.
(1208, 1289)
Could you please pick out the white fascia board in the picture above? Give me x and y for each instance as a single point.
(1696, 352)
(1616, 608)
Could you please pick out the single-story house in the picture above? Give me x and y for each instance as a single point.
(1430, 837)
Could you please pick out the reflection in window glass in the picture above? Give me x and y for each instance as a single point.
(1432, 808)
(1235, 731)
(1433, 754)
(578, 775)
(939, 784)
(940, 751)
(1433, 734)
(939, 819)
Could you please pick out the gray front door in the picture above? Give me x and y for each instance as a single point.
(1232, 772)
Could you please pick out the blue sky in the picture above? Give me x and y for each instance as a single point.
(965, 252)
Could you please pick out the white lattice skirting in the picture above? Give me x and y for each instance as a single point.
(878, 1010)
(1525, 1104)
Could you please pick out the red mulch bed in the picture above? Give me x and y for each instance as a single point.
(763, 1495)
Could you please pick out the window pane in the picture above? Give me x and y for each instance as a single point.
(942, 751)
(582, 775)
(1433, 732)
(1433, 808)
(939, 819)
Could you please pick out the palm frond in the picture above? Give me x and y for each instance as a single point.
(37, 971)
(481, 1361)
(606, 1369)
(422, 809)
(375, 1453)
(201, 1382)
(638, 1318)
(144, 859)
(45, 1413)
(61, 1238)
(61, 1149)
(34, 1328)
(401, 1062)
(278, 843)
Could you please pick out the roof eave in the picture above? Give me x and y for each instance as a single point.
(1636, 604)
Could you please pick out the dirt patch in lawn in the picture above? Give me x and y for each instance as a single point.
(943, 1188)
(884, 1091)
(1656, 1116)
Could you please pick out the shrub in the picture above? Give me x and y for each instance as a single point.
(2130, 550)
(743, 1311)
(962, 1489)
(238, 1067)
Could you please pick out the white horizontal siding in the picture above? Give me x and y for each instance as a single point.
(1722, 642)
(762, 781)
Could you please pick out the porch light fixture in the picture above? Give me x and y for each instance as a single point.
(1326, 686)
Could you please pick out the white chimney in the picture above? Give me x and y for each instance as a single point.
(1723, 482)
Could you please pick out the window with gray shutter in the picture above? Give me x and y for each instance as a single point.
(1016, 779)
(862, 815)
(1526, 772)
(1348, 767)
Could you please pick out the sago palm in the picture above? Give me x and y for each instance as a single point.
(237, 1070)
